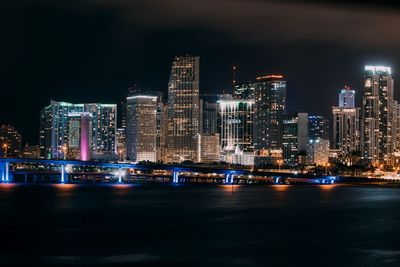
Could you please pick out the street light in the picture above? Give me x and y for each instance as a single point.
(279, 164)
(5, 147)
(327, 164)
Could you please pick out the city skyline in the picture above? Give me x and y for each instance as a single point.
(68, 58)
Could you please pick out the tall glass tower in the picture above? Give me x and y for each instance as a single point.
(270, 105)
(379, 133)
(183, 109)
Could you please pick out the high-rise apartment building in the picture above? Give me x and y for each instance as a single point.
(378, 135)
(295, 138)
(270, 105)
(54, 131)
(183, 109)
(346, 123)
(141, 129)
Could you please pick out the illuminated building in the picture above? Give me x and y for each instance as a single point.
(236, 116)
(208, 148)
(31, 152)
(318, 127)
(208, 115)
(347, 97)
(10, 142)
(54, 129)
(378, 122)
(295, 137)
(162, 121)
(183, 110)
(244, 90)
(79, 136)
(318, 151)
(121, 143)
(346, 124)
(270, 105)
(141, 129)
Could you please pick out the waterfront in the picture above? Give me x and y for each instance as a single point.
(199, 225)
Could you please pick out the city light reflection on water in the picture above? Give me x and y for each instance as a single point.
(64, 187)
(327, 186)
(230, 187)
(281, 187)
(7, 187)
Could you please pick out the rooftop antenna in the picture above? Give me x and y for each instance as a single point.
(234, 76)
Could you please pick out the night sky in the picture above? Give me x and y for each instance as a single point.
(90, 50)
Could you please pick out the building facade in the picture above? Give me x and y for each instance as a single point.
(208, 150)
(378, 135)
(183, 109)
(295, 138)
(54, 120)
(270, 105)
(141, 129)
(346, 124)
(236, 117)
(318, 127)
(10, 142)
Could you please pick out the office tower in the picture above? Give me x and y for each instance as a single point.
(10, 141)
(347, 97)
(209, 114)
(295, 137)
(346, 124)
(318, 151)
(183, 109)
(244, 90)
(54, 129)
(318, 127)
(141, 129)
(79, 136)
(378, 136)
(208, 151)
(270, 105)
(236, 116)
(45, 129)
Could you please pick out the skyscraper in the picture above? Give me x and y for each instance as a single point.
(347, 97)
(183, 109)
(295, 137)
(346, 123)
(378, 136)
(318, 127)
(54, 133)
(236, 116)
(79, 136)
(270, 105)
(141, 130)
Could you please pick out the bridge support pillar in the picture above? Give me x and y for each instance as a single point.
(175, 177)
(64, 175)
(6, 177)
(229, 178)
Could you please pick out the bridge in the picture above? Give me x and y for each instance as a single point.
(21, 170)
